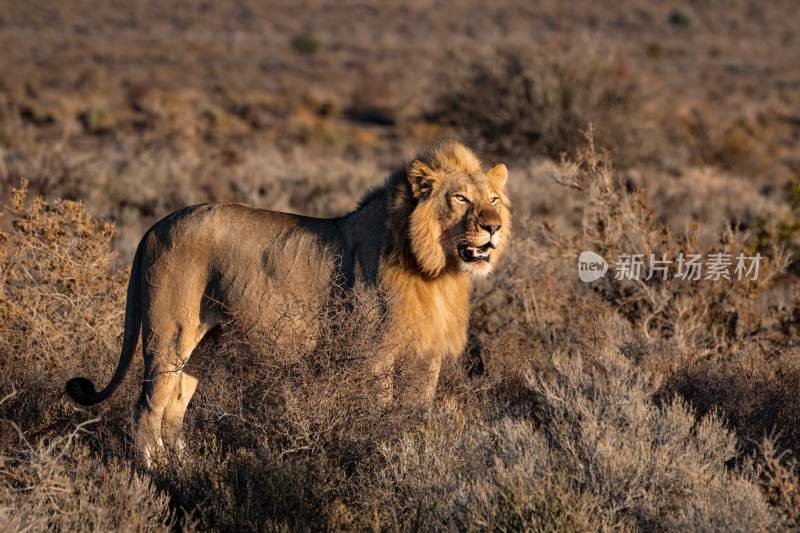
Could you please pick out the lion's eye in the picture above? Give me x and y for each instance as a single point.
(494, 199)
(460, 197)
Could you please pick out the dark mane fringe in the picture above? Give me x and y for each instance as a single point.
(386, 189)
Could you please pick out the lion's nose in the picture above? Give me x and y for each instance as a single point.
(490, 227)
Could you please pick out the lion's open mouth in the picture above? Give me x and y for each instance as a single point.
(472, 254)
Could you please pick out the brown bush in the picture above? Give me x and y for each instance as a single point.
(780, 480)
(754, 387)
(520, 105)
(56, 484)
(709, 315)
(59, 295)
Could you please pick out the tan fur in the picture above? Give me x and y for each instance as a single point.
(418, 240)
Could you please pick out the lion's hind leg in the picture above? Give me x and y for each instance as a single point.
(175, 411)
(160, 380)
(166, 389)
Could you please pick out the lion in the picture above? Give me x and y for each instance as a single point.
(435, 224)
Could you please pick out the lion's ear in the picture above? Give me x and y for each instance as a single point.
(497, 176)
(421, 177)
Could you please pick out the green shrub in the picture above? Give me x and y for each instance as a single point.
(305, 43)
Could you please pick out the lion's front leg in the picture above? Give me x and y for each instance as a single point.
(383, 378)
(430, 378)
(423, 380)
(417, 379)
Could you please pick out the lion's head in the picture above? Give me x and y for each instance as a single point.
(459, 215)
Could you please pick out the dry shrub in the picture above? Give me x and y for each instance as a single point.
(59, 295)
(56, 484)
(61, 314)
(723, 345)
(595, 453)
(756, 389)
(642, 457)
(518, 104)
(603, 456)
(531, 307)
(780, 479)
(60, 310)
(705, 315)
(742, 144)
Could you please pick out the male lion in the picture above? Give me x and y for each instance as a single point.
(419, 239)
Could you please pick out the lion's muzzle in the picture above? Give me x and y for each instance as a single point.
(471, 254)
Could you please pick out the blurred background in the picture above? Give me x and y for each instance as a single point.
(140, 107)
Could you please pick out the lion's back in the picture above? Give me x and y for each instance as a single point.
(251, 262)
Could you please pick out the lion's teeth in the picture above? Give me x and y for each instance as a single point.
(475, 253)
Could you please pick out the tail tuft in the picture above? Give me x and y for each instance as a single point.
(82, 391)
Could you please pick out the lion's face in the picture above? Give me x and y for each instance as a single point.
(461, 219)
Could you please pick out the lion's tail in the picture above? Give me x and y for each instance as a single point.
(82, 390)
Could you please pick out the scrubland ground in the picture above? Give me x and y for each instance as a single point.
(659, 405)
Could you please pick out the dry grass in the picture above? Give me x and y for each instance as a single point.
(57, 484)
